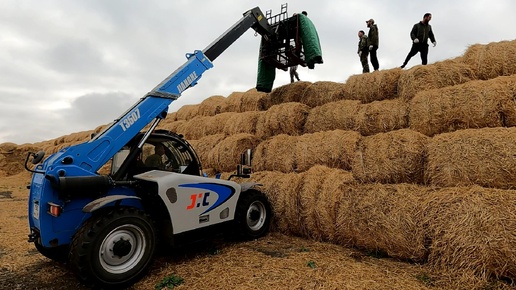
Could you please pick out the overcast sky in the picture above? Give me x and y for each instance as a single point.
(68, 66)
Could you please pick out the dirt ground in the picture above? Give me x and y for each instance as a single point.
(276, 261)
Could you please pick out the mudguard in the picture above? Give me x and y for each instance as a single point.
(101, 202)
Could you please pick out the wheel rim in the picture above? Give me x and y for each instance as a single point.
(256, 215)
(122, 249)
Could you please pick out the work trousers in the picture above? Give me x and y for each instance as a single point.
(374, 58)
(364, 61)
(422, 48)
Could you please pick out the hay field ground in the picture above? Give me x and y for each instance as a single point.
(276, 261)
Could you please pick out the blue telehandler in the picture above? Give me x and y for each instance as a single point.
(107, 226)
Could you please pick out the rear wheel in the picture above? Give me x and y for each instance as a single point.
(253, 214)
(115, 249)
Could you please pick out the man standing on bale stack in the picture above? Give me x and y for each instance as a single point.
(363, 51)
(419, 35)
(373, 41)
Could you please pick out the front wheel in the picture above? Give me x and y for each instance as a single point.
(113, 250)
(253, 214)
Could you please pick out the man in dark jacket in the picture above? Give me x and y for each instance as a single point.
(373, 40)
(363, 51)
(419, 35)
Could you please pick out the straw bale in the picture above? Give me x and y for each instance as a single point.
(212, 106)
(233, 102)
(287, 118)
(473, 156)
(382, 116)
(187, 112)
(333, 149)
(174, 126)
(475, 104)
(473, 228)
(318, 195)
(226, 154)
(392, 157)
(282, 189)
(322, 92)
(201, 126)
(492, 60)
(13, 157)
(375, 86)
(172, 116)
(292, 92)
(309, 190)
(252, 100)
(383, 219)
(204, 145)
(438, 75)
(275, 154)
(332, 116)
(244, 122)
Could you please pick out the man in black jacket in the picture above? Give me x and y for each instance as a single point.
(419, 35)
(373, 40)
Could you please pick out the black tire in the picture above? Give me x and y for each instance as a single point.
(253, 214)
(58, 254)
(128, 237)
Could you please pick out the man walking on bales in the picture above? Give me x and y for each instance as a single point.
(363, 51)
(419, 35)
(373, 41)
(293, 73)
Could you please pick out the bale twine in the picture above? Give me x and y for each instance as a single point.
(199, 127)
(204, 145)
(382, 116)
(244, 122)
(473, 156)
(334, 149)
(252, 100)
(287, 93)
(332, 116)
(225, 156)
(187, 112)
(288, 118)
(473, 228)
(475, 104)
(438, 75)
(383, 219)
(275, 154)
(233, 102)
(320, 93)
(492, 60)
(393, 157)
(212, 106)
(376, 86)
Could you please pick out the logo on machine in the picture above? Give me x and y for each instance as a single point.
(130, 119)
(198, 200)
(223, 193)
(187, 82)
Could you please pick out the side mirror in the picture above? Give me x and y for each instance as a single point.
(244, 168)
